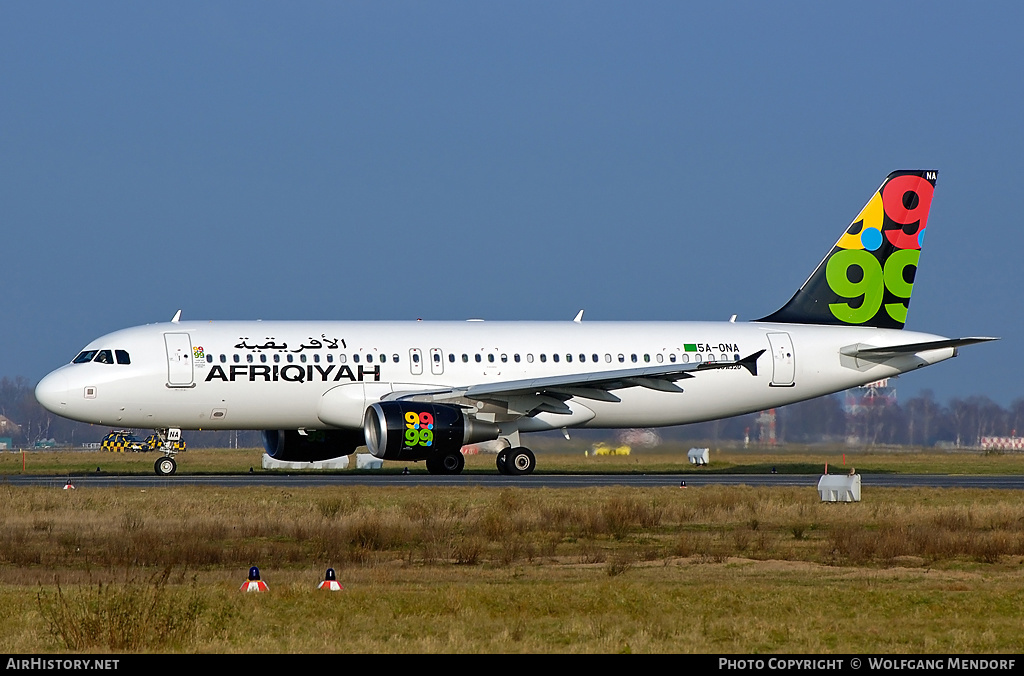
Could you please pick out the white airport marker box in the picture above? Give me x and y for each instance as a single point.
(368, 461)
(699, 456)
(333, 463)
(839, 487)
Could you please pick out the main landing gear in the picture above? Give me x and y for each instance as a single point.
(516, 461)
(451, 463)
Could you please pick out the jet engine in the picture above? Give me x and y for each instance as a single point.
(290, 445)
(412, 431)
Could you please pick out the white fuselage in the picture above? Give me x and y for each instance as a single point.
(275, 375)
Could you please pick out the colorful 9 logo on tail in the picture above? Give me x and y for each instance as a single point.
(876, 259)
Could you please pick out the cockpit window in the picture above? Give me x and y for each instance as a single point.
(84, 357)
(122, 357)
(104, 357)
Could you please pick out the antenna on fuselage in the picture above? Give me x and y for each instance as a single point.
(176, 317)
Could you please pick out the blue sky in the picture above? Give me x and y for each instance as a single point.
(503, 160)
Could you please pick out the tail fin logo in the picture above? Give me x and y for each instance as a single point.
(868, 276)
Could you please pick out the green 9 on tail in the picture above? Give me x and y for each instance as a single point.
(867, 277)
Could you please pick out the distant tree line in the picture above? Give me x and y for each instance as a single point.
(920, 421)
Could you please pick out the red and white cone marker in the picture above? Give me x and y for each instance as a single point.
(254, 583)
(330, 582)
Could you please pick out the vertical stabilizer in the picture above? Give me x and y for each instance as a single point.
(867, 277)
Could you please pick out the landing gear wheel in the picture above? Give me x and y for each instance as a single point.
(451, 463)
(165, 466)
(502, 461)
(520, 461)
(454, 462)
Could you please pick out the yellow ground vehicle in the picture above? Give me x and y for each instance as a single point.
(122, 441)
(153, 443)
(601, 448)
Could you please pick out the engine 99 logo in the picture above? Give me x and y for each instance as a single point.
(879, 253)
(419, 429)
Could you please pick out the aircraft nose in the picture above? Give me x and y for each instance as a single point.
(52, 392)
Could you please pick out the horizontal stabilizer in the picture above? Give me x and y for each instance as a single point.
(914, 348)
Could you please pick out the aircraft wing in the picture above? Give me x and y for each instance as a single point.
(535, 395)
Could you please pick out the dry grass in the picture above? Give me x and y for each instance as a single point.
(710, 569)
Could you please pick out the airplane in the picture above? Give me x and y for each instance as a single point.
(421, 390)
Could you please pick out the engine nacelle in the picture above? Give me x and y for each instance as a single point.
(289, 445)
(406, 430)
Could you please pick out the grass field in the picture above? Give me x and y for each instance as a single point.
(429, 569)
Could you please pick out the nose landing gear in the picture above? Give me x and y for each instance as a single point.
(166, 466)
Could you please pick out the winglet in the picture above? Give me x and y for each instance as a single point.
(579, 317)
(176, 317)
(749, 362)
